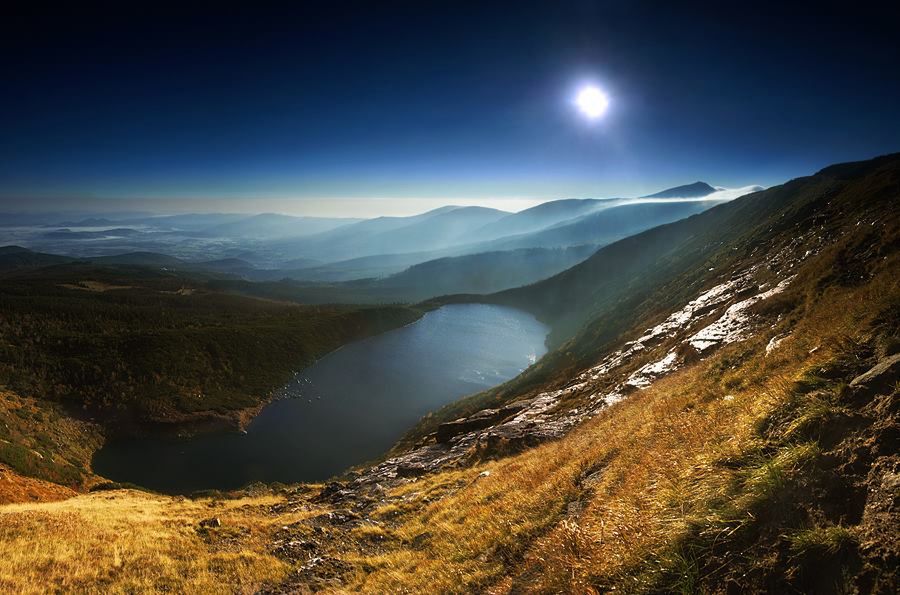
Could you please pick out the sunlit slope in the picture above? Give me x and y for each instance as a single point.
(748, 471)
(763, 460)
(639, 280)
(134, 542)
(625, 277)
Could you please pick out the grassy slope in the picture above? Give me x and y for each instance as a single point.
(715, 478)
(128, 542)
(721, 477)
(633, 283)
(39, 440)
(15, 488)
(674, 483)
(132, 347)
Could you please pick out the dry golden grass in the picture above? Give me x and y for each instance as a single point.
(128, 541)
(570, 516)
(636, 471)
(619, 492)
(605, 507)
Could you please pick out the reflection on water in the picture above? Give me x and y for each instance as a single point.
(347, 408)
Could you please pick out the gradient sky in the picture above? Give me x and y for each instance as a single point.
(364, 108)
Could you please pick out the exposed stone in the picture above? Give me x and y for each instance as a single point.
(477, 421)
(880, 377)
(550, 415)
(514, 408)
(335, 517)
(316, 574)
(294, 549)
(333, 492)
(480, 420)
(411, 470)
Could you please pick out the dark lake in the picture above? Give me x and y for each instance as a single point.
(347, 408)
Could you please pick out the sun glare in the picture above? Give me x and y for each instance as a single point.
(592, 102)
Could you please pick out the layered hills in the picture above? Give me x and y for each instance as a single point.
(335, 249)
(718, 413)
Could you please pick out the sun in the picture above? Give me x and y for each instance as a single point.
(592, 102)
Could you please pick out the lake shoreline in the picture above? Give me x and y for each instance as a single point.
(348, 407)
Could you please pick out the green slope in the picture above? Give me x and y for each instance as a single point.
(642, 278)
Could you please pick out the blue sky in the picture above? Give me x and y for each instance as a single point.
(399, 106)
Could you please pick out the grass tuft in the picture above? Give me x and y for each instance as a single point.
(820, 541)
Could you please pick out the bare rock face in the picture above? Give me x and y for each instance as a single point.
(478, 421)
(341, 516)
(333, 493)
(881, 377)
(411, 470)
(718, 316)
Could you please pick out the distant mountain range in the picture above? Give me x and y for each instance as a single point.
(695, 190)
(334, 250)
(663, 253)
(437, 229)
(273, 225)
(454, 231)
(606, 225)
(539, 217)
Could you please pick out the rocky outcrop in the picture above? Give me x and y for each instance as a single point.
(718, 316)
(483, 419)
(881, 377)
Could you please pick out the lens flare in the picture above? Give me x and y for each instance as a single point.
(592, 102)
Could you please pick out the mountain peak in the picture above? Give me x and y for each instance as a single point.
(695, 190)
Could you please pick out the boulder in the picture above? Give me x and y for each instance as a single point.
(880, 378)
(514, 408)
(411, 470)
(333, 492)
(294, 549)
(478, 421)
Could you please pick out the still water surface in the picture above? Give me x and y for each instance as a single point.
(347, 408)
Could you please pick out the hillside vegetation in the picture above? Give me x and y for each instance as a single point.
(485, 272)
(724, 474)
(636, 281)
(137, 350)
(728, 425)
